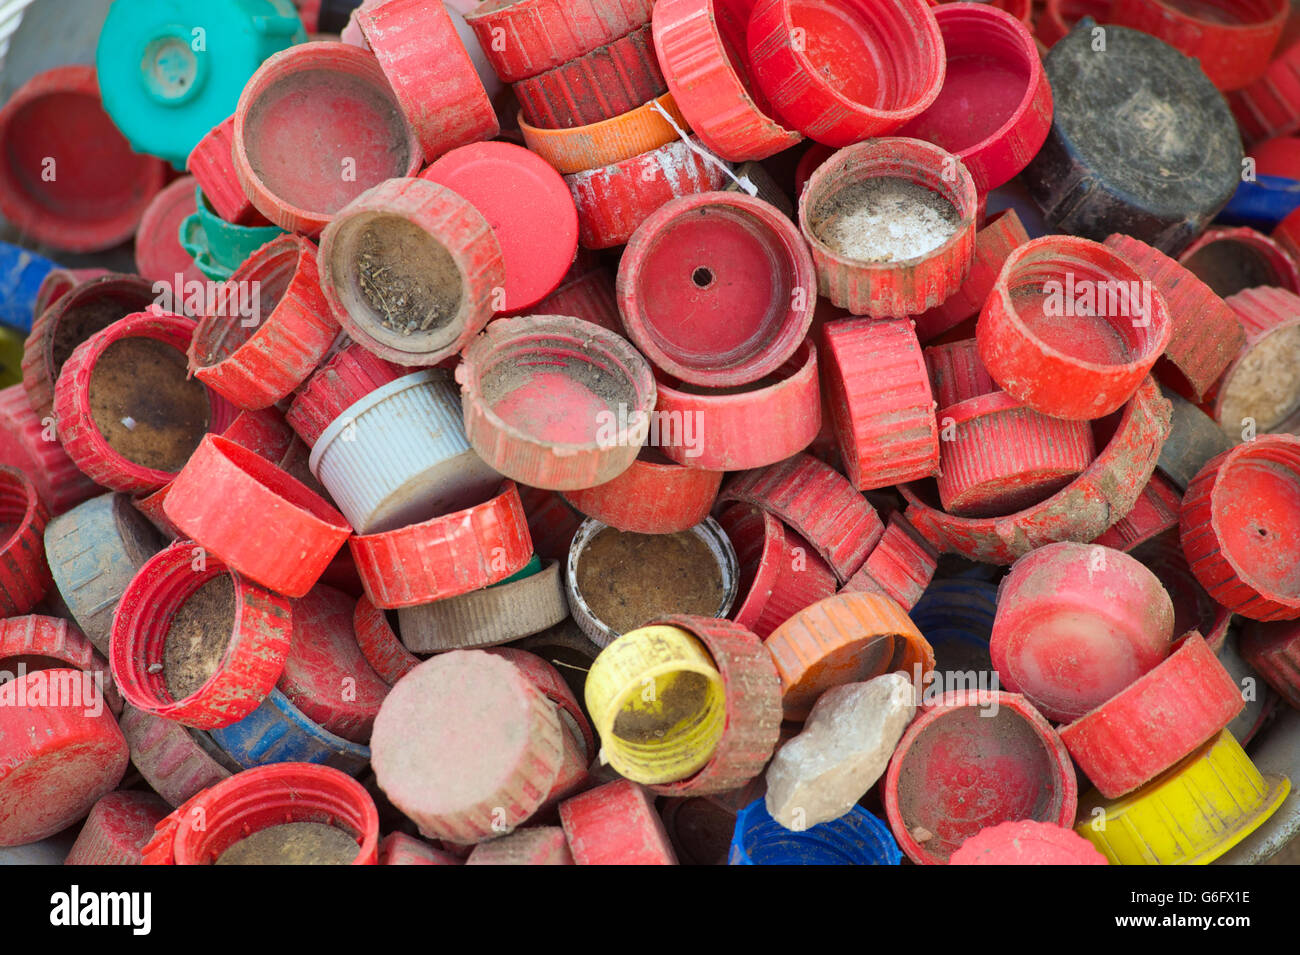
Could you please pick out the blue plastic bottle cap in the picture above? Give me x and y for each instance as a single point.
(279, 732)
(1262, 204)
(170, 70)
(856, 838)
(21, 274)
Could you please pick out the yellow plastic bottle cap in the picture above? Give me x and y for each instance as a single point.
(658, 703)
(1191, 815)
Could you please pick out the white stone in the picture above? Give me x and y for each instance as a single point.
(844, 748)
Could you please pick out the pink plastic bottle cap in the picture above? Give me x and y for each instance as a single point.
(529, 207)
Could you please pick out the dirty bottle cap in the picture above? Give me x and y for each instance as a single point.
(430, 72)
(723, 437)
(55, 747)
(616, 824)
(809, 64)
(1026, 842)
(995, 107)
(817, 502)
(255, 352)
(966, 742)
(1163, 716)
(653, 496)
(607, 82)
(330, 107)
(117, 828)
(1191, 815)
(703, 48)
(529, 208)
(170, 757)
(159, 256)
(717, 290)
(385, 653)
(97, 195)
(467, 746)
(1054, 644)
(901, 566)
(24, 573)
(1141, 142)
(278, 732)
(1232, 44)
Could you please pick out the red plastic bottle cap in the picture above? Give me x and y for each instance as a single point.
(722, 436)
(467, 746)
(901, 566)
(430, 72)
(1001, 457)
(1076, 624)
(59, 282)
(808, 60)
(24, 575)
(53, 742)
(717, 289)
(1000, 234)
(1270, 106)
(555, 402)
(117, 828)
(1233, 42)
(780, 574)
(385, 653)
(1260, 391)
(614, 200)
(212, 164)
(53, 188)
(1273, 649)
(158, 253)
(703, 48)
(416, 239)
(1071, 328)
(1240, 528)
(490, 617)
(257, 799)
(995, 108)
(588, 295)
(552, 523)
(1026, 842)
(544, 845)
(178, 762)
(1080, 511)
(257, 645)
(1058, 17)
(400, 849)
(1232, 260)
(446, 556)
(522, 38)
(1207, 335)
(817, 502)
(351, 374)
(880, 402)
(36, 642)
(88, 307)
(602, 84)
(868, 261)
(31, 447)
(1155, 513)
(957, 373)
(753, 706)
(616, 824)
(166, 435)
(316, 126)
(971, 760)
(1160, 718)
(253, 516)
(326, 674)
(269, 330)
(653, 496)
(529, 208)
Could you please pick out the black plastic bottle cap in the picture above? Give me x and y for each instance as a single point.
(1141, 142)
